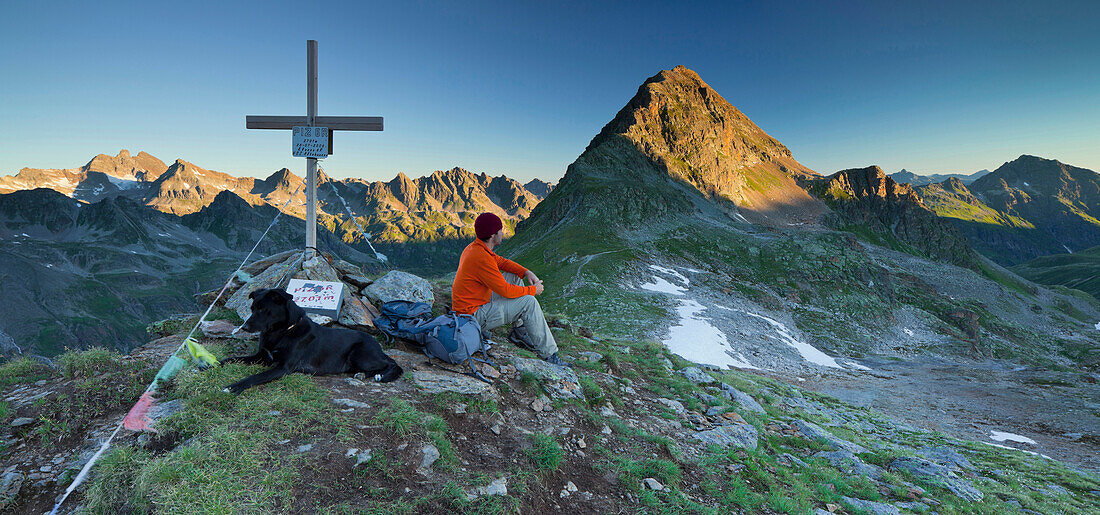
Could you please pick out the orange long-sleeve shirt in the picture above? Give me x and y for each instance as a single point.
(479, 275)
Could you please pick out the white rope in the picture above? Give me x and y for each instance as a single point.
(107, 443)
(366, 235)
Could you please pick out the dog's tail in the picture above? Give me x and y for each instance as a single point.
(391, 374)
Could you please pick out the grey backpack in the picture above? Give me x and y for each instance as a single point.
(454, 338)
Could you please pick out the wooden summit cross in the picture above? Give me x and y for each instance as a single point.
(316, 141)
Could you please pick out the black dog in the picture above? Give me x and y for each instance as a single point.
(291, 342)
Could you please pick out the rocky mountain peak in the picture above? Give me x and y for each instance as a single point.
(678, 127)
(123, 166)
(954, 185)
(870, 182)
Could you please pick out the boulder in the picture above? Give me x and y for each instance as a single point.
(355, 313)
(431, 455)
(697, 376)
(431, 381)
(217, 328)
(875, 508)
(938, 475)
(10, 484)
(397, 285)
(945, 456)
(741, 398)
(741, 436)
(813, 431)
(274, 276)
(560, 382)
(850, 463)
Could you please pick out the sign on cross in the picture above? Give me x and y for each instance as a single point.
(310, 144)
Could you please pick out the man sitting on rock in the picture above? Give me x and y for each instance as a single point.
(491, 289)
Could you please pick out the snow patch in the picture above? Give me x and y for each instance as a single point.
(856, 366)
(1033, 453)
(124, 184)
(1001, 436)
(1067, 249)
(693, 337)
(908, 331)
(660, 285)
(1098, 326)
(808, 352)
(1026, 184)
(671, 272)
(25, 235)
(696, 340)
(98, 189)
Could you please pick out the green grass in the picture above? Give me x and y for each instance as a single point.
(23, 371)
(545, 453)
(96, 360)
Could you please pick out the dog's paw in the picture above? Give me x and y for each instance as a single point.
(378, 378)
(226, 390)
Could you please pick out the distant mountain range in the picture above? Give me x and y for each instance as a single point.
(913, 179)
(1026, 208)
(423, 209)
(95, 253)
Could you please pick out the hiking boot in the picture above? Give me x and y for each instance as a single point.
(555, 360)
(521, 338)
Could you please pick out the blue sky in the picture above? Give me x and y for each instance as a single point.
(521, 89)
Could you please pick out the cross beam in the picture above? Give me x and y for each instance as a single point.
(333, 123)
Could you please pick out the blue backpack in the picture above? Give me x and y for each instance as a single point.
(397, 317)
(455, 339)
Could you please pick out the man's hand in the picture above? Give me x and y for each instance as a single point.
(538, 288)
(531, 277)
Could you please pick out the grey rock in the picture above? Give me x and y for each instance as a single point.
(590, 356)
(653, 484)
(274, 276)
(742, 436)
(320, 319)
(355, 313)
(714, 411)
(350, 403)
(676, 406)
(1057, 489)
(431, 455)
(21, 421)
(560, 382)
(10, 484)
(697, 376)
(164, 410)
(850, 463)
(217, 328)
(431, 381)
(815, 432)
(707, 398)
(930, 473)
(945, 456)
(398, 285)
(499, 486)
(305, 448)
(877, 508)
(665, 362)
(741, 398)
(790, 460)
(359, 281)
(361, 455)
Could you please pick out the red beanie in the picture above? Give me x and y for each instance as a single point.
(486, 225)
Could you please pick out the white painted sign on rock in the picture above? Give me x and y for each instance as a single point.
(321, 297)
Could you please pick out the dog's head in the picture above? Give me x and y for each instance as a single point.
(272, 309)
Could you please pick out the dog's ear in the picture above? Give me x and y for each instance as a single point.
(252, 294)
(282, 297)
